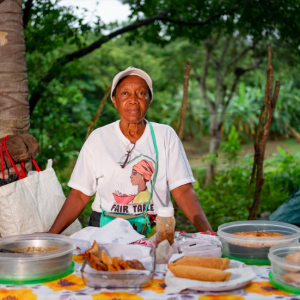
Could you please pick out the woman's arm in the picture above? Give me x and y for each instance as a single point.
(73, 206)
(188, 202)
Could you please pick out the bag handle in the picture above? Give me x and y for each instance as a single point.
(3, 143)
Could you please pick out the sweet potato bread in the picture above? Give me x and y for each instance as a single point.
(256, 234)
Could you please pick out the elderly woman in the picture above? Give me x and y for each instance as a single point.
(128, 153)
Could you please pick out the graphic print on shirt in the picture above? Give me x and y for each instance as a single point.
(141, 174)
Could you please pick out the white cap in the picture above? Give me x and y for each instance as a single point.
(165, 212)
(132, 71)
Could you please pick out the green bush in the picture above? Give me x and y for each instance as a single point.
(229, 197)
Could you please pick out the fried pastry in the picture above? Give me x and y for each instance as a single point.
(116, 264)
(108, 261)
(131, 264)
(205, 262)
(294, 257)
(96, 263)
(100, 261)
(291, 278)
(198, 273)
(95, 250)
(138, 265)
(124, 265)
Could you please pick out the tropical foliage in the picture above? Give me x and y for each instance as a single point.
(67, 80)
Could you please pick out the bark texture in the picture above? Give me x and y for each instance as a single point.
(14, 105)
(187, 70)
(266, 115)
(217, 109)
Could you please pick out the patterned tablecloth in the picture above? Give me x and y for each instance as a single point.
(72, 287)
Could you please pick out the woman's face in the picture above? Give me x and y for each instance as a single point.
(132, 99)
(136, 178)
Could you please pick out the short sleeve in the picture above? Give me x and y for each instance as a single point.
(83, 177)
(178, 168)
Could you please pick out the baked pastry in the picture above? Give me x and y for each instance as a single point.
(205, 262)
(198, 273)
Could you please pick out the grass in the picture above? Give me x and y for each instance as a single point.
(197, 150)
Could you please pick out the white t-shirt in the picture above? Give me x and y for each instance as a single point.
(126, 190)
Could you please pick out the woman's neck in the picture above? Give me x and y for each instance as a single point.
(133, 131)
(142, 187)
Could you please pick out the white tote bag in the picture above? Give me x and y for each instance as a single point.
(31, 204)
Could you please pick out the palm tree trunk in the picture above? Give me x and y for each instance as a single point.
(14, 105)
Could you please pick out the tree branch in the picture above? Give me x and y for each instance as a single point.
(187, 70)
(239, 56)
(202, 82)
(55, 69)
(238, 73)
(225, 48)
(27, 12)
(198, 23)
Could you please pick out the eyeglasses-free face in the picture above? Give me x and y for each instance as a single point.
(132, 99)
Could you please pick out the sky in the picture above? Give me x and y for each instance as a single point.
(108, 10)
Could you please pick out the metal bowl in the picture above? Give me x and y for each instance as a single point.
(34, 266)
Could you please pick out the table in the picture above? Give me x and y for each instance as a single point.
(71, 287)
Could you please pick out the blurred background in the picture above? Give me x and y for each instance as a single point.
(74, 49)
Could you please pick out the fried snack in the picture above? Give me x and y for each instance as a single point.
(124, 265)
(294, 257)
(100, 261)
(118, 259)
(198, 273)
(96, 263)
(205, 262)
(108, 261)
(131, 264)
(138, 264)
(95, 250)
(291, 278)
(116, 264)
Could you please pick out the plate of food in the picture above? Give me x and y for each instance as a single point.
(211, 274)
(111, 266)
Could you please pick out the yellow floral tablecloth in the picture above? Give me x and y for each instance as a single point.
(71, 287)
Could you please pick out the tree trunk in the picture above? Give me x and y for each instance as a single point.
(213, 147)
(14, 105)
